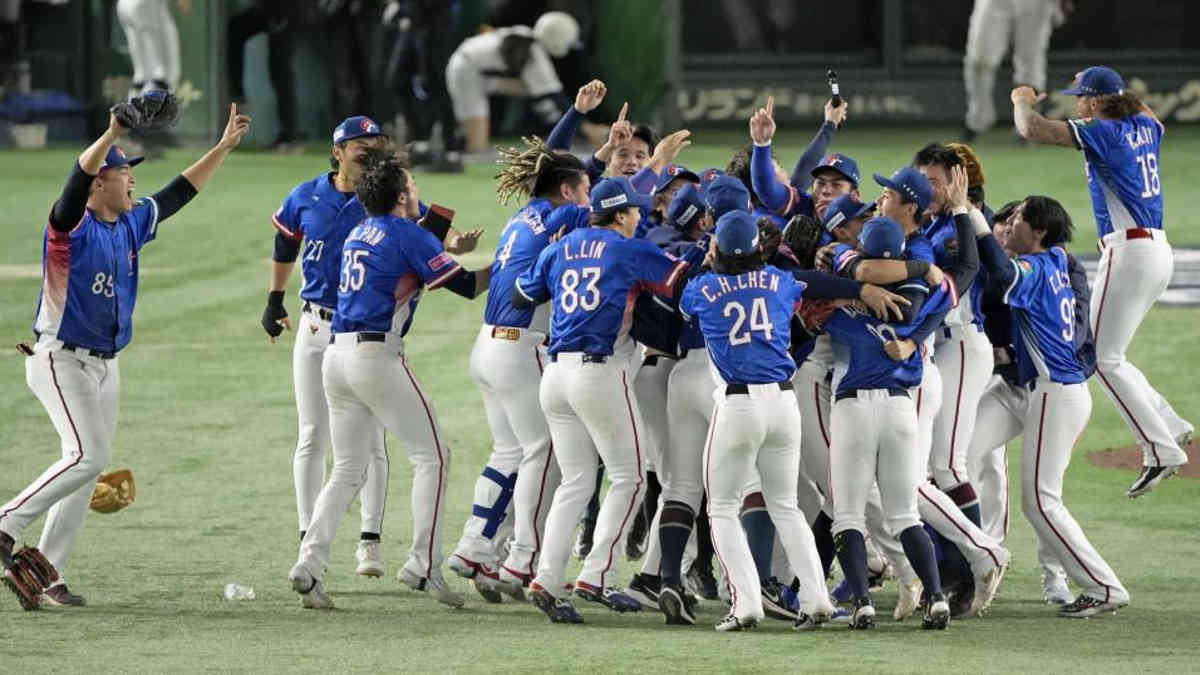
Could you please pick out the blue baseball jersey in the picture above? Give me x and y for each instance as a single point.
(1043, 305)
(693, 254)
(859, 361)
(312, 212)
(386, 262)
(527, 233)
(593, 277)
(943, 238)
(90, 278)
(746, 322)
(1124, 179)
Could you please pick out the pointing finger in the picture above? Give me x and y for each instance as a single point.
(624, 111)
(770, 106)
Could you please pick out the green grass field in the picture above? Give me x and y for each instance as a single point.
(208, 425)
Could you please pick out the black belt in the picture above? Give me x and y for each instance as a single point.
(652, 360)
(321, 312)
(735, 389)
(853, 393)
(90, 352)
(365, 337)
(948, 333)
(587, 358)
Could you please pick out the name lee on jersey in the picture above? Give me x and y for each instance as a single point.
(757, 279)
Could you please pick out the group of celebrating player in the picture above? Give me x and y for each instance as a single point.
(768, 361)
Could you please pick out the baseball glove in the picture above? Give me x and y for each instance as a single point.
(114, 491)
(802, 235)
(814, 313)
(29, 575)
(152, 111)
(971, 161)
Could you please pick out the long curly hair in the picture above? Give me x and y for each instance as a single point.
(535, 171)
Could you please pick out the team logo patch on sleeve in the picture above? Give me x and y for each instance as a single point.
(442, 260)
(1025, 266)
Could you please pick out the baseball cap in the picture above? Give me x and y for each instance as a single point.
(359, 126)
(1096, 81)
(670, 173)
(882, 238)
(686, 207)
(617, 193)
(843, 164)
(844, 209)
(725, 194)
(116, 158)
(911, 184)
(737, 233)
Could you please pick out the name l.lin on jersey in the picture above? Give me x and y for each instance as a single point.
(757, 279)
(588, 249)
(369, 234)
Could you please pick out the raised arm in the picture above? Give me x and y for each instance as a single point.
(72, 202)
(964, 265)
(802, 174)
(773, 195)
(199, 173)
(1032, 126)
(586, 99)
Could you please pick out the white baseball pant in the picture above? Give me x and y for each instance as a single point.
(367, 383)
(1132, 274)
(981, 550)
(689, 412)
(81, 393)
(506, 364)
(1056, 416)
(964, 361)
(1027, 24)
(312, 435)
(593, 415)
(153, 41)
(650, 390)
(756, 434)
(1001, 417)
(814, 398)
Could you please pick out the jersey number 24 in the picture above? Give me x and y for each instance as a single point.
(759, 320)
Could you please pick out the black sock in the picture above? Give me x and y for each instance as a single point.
(852, 554)
(368, 536)
(822, 529)
(653, 492)
(760, 533)
(593, 507)
(674, 528)
(704, 545)
(919, 551)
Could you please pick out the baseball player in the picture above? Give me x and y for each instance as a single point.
(1038, 289)
(1120, 139)
(90, 255)
(744, 311)
(873, 426)
(507, 362)
(153, 42)
(961, 350)
(592, 276)
(309, 217)
(387, 260)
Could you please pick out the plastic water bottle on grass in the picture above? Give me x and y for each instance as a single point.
(238, 592)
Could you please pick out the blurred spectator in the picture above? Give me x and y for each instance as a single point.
(271, 16)
(416, 73)
(574, 69)
(514, 61)
(1027, 25)
(153, 42)
(350, 27)
(11, 43)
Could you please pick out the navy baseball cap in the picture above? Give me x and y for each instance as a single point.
(843, 164)
(737, 233)
(1096, 81)
(116, 158)
(686, 207)
(911, 184)
(670, 173)
(882, 238)
(725, 194)
(359, 126)
(617, 193)
(844, 209)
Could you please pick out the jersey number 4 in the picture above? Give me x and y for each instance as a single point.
(572, 298)
(354, 273)
(759, 320)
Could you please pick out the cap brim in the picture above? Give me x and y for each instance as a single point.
(1071, 92)
(136, 160)
(885, 182)
(864, 210)
(641, 200)
(830, 167)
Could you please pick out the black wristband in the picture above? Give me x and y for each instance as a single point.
(916, 268)
(275, 298)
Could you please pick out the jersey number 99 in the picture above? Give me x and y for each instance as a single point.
(353, 271)
(759, 321)
(572, 298)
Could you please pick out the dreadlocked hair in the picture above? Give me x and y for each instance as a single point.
(535, 171)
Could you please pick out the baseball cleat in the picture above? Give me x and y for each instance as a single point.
(59, 596)
(312, 593)
(560, 610)
(937, 612)
(370, 562)
(986, 588)
(908, 599)
(436, 585)
(774, 604)
(841, 593)
(702, 581)
(815, 619)
(610, 596)
(863, 616)
(645, 589)
(583, 542)
(678, 605)
(635, 542)
(1055, 591)
(732, 624)
(512, 584)
(1150, 477)
(840, 615)
(1085, 606)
